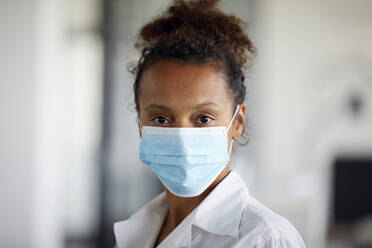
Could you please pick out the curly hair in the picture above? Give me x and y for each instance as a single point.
(196, 32)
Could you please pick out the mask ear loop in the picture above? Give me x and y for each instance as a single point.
(228, 127)
(232, 119)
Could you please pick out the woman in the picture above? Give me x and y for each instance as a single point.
(189, 95)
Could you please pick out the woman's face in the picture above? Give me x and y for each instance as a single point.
(177, 95)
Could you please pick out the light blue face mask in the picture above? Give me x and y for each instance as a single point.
(186, 160)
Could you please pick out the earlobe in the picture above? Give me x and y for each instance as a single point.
(238, 132)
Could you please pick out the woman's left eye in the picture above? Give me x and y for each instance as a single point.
(205, 119)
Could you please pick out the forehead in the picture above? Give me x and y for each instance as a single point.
(173, 83)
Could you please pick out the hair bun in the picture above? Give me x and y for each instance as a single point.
(198, 22)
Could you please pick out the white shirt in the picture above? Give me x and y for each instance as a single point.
(227, 217)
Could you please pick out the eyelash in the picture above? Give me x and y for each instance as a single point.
(167, 121)
(207, 123)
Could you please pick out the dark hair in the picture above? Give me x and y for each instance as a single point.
(196, 32)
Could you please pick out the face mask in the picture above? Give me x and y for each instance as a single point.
(186, 160)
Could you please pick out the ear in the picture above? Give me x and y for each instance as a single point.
(239, 122)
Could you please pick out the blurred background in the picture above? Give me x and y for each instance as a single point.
(68, 136)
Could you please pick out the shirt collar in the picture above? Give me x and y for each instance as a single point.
(220, 212)
(145, 222)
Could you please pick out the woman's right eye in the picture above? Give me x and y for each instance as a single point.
(160, 120)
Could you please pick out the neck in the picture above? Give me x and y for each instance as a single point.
(181, 207)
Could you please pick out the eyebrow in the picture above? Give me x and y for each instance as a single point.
(162, 107)
(206, 104)
(196, 107)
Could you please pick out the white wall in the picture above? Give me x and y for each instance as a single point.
(17, 107)
(50, 90)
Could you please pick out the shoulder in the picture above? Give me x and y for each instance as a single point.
(261, 226)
